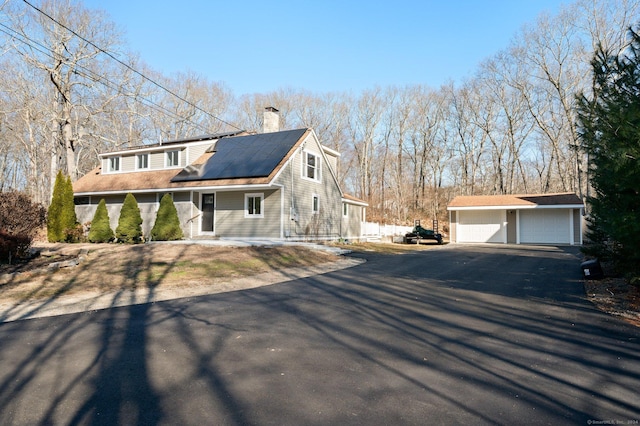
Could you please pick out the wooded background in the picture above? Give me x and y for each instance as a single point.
(70, 89)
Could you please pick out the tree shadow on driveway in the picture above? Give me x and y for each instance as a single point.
(461, 335)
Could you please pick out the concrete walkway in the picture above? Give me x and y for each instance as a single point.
(258, 243)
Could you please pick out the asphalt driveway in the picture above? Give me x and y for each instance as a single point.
(454, 335)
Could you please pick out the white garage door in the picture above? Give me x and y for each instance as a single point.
(482, 226)
(548, 226)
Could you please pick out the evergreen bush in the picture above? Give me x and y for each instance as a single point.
(55, 228)
(129, 228)
(101, 231)
(61, 220)
(72, 229)
(167, 224)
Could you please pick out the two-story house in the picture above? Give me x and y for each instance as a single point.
(272, 185)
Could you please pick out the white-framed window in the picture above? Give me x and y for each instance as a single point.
(315, 204)
(311, 166)
(254, 205)
(142, 161)
(172, 158)
(114, 164)
(345, 209)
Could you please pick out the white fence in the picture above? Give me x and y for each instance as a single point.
(372, 229)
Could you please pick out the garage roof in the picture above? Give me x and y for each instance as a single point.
(516, 201)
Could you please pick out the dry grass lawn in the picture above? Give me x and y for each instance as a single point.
(112, 267)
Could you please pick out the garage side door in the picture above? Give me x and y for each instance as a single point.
(545, 226)
(482, 226)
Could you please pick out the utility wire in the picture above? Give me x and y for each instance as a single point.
(93, 76)
(130, 67)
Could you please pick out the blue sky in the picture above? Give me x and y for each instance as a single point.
(321, 46)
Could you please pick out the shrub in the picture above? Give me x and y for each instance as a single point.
(129, 228)
(100, 231)
(20, 220)
(167, 224)
(62, 221)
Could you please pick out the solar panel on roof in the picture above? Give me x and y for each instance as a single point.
(244, 156)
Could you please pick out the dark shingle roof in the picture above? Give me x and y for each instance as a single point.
(243, 157)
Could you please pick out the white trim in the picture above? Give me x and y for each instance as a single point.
(313, 207)
(191, 214)
(571, 234)
(518, 207)
(248, 215)
(166, 159)
(137, 162)
(226, 188)
(330, 151)
(355, 203)
(157, 148)
(109, 170)
(317, 169)
(215, 202)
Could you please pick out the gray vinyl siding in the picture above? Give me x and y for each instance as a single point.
(230, 220)
(352, 223)
(85, 212)
(325, 224)
(194, 152)
(127, 163)
(182, 197)
(333, 163)
(148, 204)
(156, 160)
(577, 231)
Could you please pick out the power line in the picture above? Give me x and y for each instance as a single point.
(92, 75)
(129, 67)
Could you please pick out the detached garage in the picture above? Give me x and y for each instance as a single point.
(516, 219)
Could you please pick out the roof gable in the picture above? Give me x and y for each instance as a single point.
(249, 156)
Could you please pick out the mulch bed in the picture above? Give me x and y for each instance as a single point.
(615, 296)
(41, 260)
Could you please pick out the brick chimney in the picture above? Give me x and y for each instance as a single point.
(271, 120)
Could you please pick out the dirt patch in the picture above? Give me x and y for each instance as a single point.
(36, 263)
(111, 267)
(616, 297)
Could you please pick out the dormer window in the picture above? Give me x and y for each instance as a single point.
(311, 166)
(114, 164)
(142, 161)
(173, 158)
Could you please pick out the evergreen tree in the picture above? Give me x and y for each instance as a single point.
(167, 224)
(54, 227)
(68, 216)
(609, 121)
(101, 231)
(129, 228)
(61, 220)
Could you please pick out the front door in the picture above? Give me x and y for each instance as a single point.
(208, 209)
